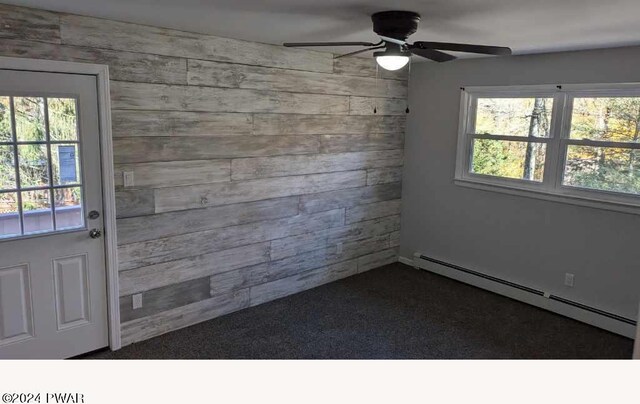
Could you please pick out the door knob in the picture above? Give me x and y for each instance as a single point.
(95, 233)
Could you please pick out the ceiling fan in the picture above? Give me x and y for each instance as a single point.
(393, 28)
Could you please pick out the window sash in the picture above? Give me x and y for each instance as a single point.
(557, 143)
(51, 187)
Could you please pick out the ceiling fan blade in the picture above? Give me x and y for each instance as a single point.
(459, 47)
(304, 44)
(432, 54)
(358, 51)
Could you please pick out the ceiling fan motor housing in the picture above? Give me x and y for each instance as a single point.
(395, 24)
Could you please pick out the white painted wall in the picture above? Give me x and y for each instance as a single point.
(529, 241)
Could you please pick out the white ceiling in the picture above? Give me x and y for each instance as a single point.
(527, 26)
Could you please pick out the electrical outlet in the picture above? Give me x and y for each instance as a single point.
(127, 178)
(339, 248)
(137, 301)
(568, 279)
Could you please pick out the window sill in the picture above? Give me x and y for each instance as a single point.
(549, 196)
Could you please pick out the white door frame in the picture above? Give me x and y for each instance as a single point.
(101, 72)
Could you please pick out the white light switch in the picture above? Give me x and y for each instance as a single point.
(339, 248)
(128, 178)
(137, 301)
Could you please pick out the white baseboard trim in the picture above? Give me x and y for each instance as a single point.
(576, 313)
(406, 261)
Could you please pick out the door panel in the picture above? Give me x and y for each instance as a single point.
(15, 305)
(71, 281)
(53, 285)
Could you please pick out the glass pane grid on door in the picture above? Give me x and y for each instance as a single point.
(40, 174)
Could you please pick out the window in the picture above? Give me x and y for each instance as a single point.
(576, 142)
(40, 181)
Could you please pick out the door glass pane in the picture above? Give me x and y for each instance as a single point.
(36, 207)
(603, 168)
(7, 168)
(514, 116)
(68, 208)
(5, 120)
(47, 160)
(615, 119)
(62, 119)
(9, 216)
(65, 164)
(30, 124)
(509, 159)
(34, 169)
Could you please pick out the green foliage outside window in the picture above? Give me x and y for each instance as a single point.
(33, 164)
(606, 119)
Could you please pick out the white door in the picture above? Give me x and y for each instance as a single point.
(52, 262)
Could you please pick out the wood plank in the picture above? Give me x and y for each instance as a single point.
(287, 286)
(385, 175)
(364, 230)
(366, 67)
(195, 196)
(175, 173)
(382, 106)
(180, 317)
(165, 298)
(349, 197)
(125, 66)
(377, 259)
(29, 24)
(325, 256)
(150, 149)
(371, 211)
(193, 244)
(134, 203)
(175, 123)
(354, 143)
(99, 33)
(205, 73)
(137, 229)
(238, 279)
(136, 96)
(168, 273)
(297, 244)
(394, 239)
(299, 124)
(264, 167)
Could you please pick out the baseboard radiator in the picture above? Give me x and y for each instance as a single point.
(581, 312)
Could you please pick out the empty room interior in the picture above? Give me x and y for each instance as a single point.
(319, 180)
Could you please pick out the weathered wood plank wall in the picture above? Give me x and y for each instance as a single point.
(260, 171)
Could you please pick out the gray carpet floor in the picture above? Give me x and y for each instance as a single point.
(393, 312)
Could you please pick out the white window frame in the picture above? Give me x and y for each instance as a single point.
(551, 187)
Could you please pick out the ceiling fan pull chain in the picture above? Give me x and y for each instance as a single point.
(408, 79)
(375, 100)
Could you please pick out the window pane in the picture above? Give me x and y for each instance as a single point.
(5, 120)
(603, 168)
(29, 119)
(68, 208)
(66, 164)
(509, 159)
(62, 119)
(514, 116)
(9, 216)
(7, 168)
(615, 119)
(34, 170)
(36, 207)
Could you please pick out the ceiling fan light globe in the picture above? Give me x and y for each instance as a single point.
(392, 62)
